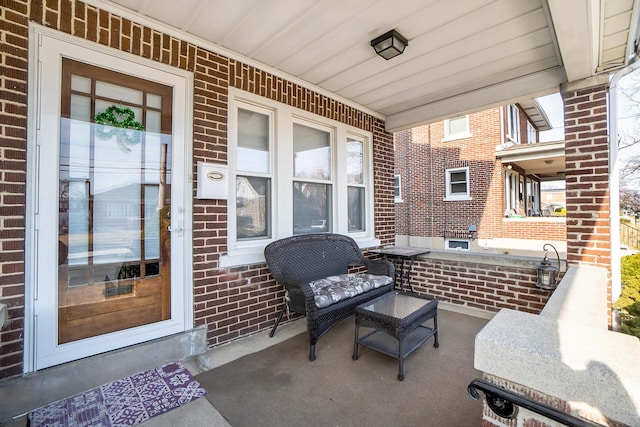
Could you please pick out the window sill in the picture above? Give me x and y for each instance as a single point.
(457, 199)
(536, 219)
(255, 254)
(457, 137)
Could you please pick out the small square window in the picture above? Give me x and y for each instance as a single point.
(456, 128)
(457, 181)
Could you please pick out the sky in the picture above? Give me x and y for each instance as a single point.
(552, 106)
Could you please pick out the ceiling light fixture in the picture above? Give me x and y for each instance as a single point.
(390, 44)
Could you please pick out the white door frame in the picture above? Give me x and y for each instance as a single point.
(46, 49)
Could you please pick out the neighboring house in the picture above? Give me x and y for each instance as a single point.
(477, 182)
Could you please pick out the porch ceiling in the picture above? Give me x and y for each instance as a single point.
(460, 59)
(545, 159)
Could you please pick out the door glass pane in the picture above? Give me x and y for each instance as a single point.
(311, 153)
(81, 84)
(253, 141)
(355, 163)
(253, 206)
(114, 204)
(311, 208)
(151, 221)
(120, 93)
(154, 101)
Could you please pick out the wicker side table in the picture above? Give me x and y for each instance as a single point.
(397, 319)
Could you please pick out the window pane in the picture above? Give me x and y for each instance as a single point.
(81, 84)
(458, 125)
(311, 153)
(253, 141)
(311, 208)
(458, 176)
(154, 101)
(355, 162)
(459, 188)
(253, 205)
(151, 222)
(121, 93)
(458, 244)
(356, 208)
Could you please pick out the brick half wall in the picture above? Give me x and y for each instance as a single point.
(484, 282)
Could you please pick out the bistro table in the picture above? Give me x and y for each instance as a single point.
(403, 259)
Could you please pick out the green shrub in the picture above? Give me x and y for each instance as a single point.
(629, 301)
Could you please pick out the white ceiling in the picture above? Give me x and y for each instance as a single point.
(462, 56)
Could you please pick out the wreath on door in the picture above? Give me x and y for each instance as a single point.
(119, 122)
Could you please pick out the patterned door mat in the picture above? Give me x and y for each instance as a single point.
(125, 402)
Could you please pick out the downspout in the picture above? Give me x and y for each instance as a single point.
(614, 184)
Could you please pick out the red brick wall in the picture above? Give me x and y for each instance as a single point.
(536, 229)
(231, 302)
(13, 153)
(587, 191)
(422, 158)
(478, 285)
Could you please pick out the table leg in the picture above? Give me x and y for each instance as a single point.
(410, 268)
(436, 344)
(400, 360)
(355, 341)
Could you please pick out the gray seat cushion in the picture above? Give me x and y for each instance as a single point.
(332, 289)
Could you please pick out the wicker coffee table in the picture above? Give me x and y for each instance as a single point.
(397, 319)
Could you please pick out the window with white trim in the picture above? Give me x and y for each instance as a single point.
(531, 134)
(513, 123)
(295, 173)
(356, 188)
(397, 189)
(253, 172)
(457, 128)
(457, 182)
(457, 245)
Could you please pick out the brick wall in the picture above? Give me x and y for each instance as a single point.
(13, 153)
(534, 228)
(232, 302)
(587, 190)
(479, 285)
(421, 160)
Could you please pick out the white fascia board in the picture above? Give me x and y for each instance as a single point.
(532, 85)
(577, 28)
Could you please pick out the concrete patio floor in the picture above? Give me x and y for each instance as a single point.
(201, 412)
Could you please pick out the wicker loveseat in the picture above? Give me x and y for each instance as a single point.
(314, 269)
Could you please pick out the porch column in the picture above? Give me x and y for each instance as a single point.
(587, 174)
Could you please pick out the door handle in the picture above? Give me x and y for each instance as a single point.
(179, 229)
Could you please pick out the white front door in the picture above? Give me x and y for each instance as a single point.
(111, 263)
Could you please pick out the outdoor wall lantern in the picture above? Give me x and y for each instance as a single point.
(547, 272)
(390, 44)
(473, 232)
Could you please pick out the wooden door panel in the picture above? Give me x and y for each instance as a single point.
(84, 319)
